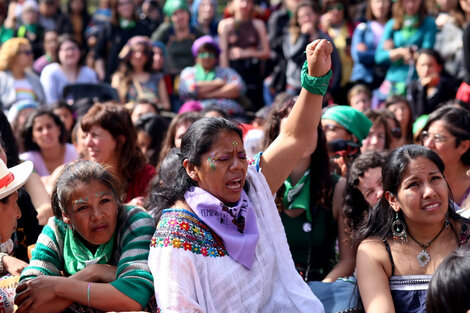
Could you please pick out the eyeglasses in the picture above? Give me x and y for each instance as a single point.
(25, 52)
(338, 6)
(332, 128)
(437, 138)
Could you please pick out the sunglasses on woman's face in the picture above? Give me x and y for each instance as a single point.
(25, 52)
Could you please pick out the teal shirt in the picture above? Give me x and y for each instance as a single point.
(423, 38)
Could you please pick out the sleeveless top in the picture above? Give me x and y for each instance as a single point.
(409, 291)
(243, 35)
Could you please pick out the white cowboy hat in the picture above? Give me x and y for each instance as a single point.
(11, 179)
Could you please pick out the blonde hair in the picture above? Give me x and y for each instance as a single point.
(358, 89)
(9, 50)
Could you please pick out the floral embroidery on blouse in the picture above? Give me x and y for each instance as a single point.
(181, 229)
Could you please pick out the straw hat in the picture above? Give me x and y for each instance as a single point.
(11, 179)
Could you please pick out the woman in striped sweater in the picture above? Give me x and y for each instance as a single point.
(92, 255)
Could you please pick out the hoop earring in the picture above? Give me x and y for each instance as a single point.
(399, 230)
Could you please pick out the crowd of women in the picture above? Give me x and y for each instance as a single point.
(304, 157)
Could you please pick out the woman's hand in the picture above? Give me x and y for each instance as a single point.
(307, 28)
(431, 80)
(361, 47)
(97, 273)
(13, 265)
(325, 21)
(403, 53)
(236, 53)
(33, 293)
(319, 57)
(388, 44)
(105, 273)
(137, 201)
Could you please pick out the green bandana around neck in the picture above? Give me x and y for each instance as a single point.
(409, 28)
(77, 256)
(202, 75)
(126, 24)
(23, 29)
(298, 196)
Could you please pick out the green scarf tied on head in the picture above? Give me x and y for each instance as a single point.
(202, 75)
(298, 196)
(77, 256)
(410, 26)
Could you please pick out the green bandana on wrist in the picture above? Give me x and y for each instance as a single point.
(77, 256)
(314, 85)
(126, 24)
(203, 76)
(298, 196)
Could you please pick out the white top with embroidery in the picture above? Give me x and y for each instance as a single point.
(187, 280)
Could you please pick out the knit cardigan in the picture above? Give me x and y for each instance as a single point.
(130, 254)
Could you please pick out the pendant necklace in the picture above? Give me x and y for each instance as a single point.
(424, 257)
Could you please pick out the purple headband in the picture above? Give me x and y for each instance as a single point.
(201, 41)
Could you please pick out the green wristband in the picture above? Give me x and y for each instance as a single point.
(315, 85)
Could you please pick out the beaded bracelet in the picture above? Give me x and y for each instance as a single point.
(88, 294)
(314, 85)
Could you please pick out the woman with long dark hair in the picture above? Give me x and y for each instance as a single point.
(408, 233)
(45, 142)
(135, 78)
(446, 133)
(305, 203)
(218, 222)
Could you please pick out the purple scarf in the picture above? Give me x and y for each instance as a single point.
(235, 225)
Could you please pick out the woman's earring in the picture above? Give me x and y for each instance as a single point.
(399, 230)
